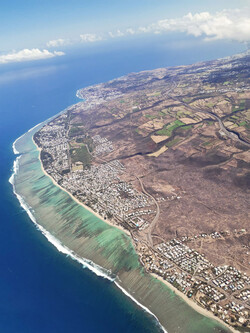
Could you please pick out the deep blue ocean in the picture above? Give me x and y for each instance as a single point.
(41, 290)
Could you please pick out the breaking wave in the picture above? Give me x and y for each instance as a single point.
(86, 263)
(16, 152)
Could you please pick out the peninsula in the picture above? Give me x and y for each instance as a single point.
(164, 154)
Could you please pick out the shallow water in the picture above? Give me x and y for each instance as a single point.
(105, 250)
(41, 289)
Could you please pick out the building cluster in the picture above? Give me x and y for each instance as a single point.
(184, 257)
(244, 295)
(98, 94)
(54, 142)
(99, 186)
(102, 145)
(209, 286)
(231, 280)
(239, 89)
(224, 290)
(234, 311)
(210, 293)
(212, 235)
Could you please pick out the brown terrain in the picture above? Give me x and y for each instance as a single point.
(165, 155)
(203, 175)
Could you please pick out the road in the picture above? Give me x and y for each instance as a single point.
(228, 133)
(153, 223)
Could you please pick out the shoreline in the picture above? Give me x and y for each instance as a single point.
(78, 201)
(193, 304)
(62, 248)
(189, 301)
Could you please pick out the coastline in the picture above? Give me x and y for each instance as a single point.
(193, 304)
(98, 270)
(76, 200)
(187, 300)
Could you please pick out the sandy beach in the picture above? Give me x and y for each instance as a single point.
(189, 301)
(193, 304)
(76, 200)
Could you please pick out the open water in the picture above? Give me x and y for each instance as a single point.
(41, 288)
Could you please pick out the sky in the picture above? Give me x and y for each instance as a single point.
(35, 29)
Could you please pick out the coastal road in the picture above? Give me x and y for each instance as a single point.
(153, 223)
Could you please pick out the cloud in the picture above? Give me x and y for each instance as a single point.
(130, 31)
(57, 42)
(117, 33)
(233, 24)
(90, 38)
(28, 55)
(227, 24)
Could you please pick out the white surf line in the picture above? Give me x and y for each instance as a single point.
(16, 152)
(15, 170)
(98, 270)
(32, 128)
(140, 305)
(86, 263)
(78, 94)
(14, 144)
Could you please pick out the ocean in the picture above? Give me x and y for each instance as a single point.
(42, 289)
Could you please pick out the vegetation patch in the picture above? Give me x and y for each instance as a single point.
(162, 114)
(186, 128)
(154, 94)
(173, 142)
(210, 105)
(150, 116)
(81, 155)
(243, 123)
(240, 107)
(168, 129)
(187, 100)
(208, 143)
(75, 130)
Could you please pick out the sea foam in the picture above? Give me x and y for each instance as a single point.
(86, 263)
(140, 305)
(16, 152)
(98, 270)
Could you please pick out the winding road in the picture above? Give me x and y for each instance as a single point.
(228, 133)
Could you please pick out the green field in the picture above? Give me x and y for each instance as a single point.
(75, 130)
(150, 116)
(81, 155)
(240, 107)
(188, 127)
(187, 100)
(243, 123)
(168, 129)
(173, 142)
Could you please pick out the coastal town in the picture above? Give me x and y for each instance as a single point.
(81, 156)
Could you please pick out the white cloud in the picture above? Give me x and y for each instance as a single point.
(227, 24)
(130, 31)
(90, 38)
(117, 33)
(28, 55)
(58, 53)
(57, 42)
